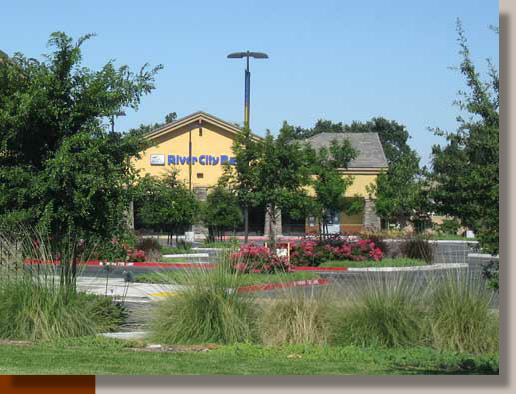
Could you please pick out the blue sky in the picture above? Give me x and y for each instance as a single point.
(338, 60)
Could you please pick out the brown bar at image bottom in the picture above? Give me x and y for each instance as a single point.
(12, 384)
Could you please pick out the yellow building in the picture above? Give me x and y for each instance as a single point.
(198, 144)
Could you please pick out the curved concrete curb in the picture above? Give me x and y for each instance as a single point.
(429, 267)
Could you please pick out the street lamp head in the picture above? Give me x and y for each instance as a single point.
(257, 55)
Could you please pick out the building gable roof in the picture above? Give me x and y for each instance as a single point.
(195, 118)
(368, 145)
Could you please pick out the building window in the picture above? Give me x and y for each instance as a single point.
(200, 131)
(200, 175)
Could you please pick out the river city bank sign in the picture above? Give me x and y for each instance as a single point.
(203, 160)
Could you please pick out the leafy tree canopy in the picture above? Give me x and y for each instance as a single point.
(143, 128)
(466, 171)
(60, 167)
(221, 211)
(165, 203)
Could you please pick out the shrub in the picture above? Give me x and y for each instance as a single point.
(460, 316)
(417, 248)
(135, 255)
(450, 226)
(207, 310)
(259, 259)
(313, 253)
(381, 312)
(378, 239)
(148, 244)
(297, 318)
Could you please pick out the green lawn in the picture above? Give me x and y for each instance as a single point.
(102, 356)
(247, 279)
(398, 262)
(175, 250)
(451, 237)
(178, 259)
(222, 244)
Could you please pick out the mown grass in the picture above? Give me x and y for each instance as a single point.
(221, 244)
(386, 262)
(178, 277)
(102, 356)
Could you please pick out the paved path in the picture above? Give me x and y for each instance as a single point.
(132, 292)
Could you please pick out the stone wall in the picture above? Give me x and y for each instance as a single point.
(371, 219)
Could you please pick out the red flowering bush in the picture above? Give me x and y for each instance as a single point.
(309, 253)
(313, 253)
(258, 259)
(135, 255)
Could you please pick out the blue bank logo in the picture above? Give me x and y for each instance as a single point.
(203, 160)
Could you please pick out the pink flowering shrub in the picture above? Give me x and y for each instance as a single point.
(258, 259)
(313, 253)
(309, 253)
(135, 255)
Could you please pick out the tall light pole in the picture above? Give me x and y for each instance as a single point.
(247, 55)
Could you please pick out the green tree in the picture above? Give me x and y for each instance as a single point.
(61, 169)
(282, 176)
(400, 188)
(221, 211)
(147, 128)
(329, 184)
(165, 204)
(466, 171)
(400, 191)
(241, 178)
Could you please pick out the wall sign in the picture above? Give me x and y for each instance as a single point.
(157, 160)
(203, 160)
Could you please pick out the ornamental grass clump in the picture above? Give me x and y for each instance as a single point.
(460, 314)
(207, 308)
(298, 317)
(381, 310)
(40, 301)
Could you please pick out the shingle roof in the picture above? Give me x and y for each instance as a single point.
(368, 145)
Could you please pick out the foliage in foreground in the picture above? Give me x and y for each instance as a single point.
(297, 318)
(33, 310)
(40, 301)
(460, 318)
(207, 310)
(381, 311)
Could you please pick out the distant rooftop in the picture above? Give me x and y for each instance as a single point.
(368, 145)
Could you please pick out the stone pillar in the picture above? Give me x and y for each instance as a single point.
(200, 229)
(371, 219)
(278, 230)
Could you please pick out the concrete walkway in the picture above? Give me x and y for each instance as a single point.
(131, 292)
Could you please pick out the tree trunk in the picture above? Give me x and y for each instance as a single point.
(246, 223)
(272, 229)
